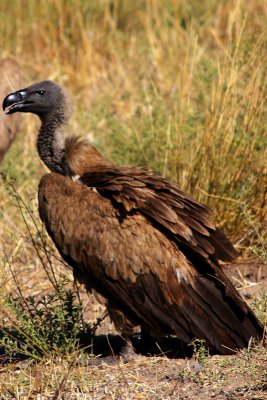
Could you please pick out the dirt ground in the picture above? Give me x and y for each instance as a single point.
(103, 375)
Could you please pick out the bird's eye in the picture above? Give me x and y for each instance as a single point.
(40, 92)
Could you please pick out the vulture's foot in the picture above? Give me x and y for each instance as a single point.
(128, 353)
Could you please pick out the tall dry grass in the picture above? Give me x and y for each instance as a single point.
(177, 86)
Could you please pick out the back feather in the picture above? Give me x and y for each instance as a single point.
(184, 219)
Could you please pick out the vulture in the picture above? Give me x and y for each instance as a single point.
(11, 74)
(148, 248)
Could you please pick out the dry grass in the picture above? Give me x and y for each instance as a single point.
(177, 86)
(221, 378)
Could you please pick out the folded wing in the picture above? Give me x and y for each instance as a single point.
(146, 269)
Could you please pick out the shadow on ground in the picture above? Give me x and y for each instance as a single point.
(112, 345)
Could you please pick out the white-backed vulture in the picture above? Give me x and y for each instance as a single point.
(11, 78)
(134, 237)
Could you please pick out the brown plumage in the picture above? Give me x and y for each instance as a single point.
(148, 248)
(11, 77)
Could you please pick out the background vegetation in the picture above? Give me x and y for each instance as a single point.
(177, 86)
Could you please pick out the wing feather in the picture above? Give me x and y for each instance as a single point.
(173, 211)
(136, 266)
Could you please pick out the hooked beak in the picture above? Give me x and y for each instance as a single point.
(14, 102)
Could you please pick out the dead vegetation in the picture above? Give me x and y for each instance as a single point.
(175, 86)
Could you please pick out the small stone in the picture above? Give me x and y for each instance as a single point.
(197, 367)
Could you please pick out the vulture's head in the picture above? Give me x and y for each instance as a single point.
(42, 98)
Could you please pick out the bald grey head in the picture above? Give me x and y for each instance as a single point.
(49, 101)
(45, 98)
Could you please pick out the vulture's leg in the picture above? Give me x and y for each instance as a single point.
(146, 344)
(123, 325)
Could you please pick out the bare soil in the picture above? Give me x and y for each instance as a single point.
(167, 371)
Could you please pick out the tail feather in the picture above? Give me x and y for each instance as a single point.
(220, 316)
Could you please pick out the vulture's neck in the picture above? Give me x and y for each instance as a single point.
(71, 156)
(50, 142)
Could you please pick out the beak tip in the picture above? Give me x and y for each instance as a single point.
(9, 100)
